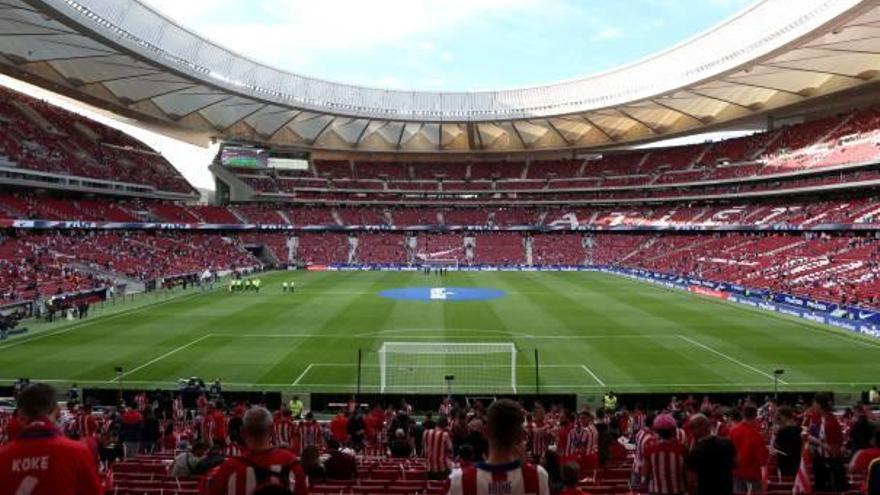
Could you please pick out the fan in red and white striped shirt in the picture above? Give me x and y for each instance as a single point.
(310, 432)
(583, 443)
(178, 409)
(140, 401)
(665, 460)
(437, 448)
(502, 473)
(644, 437)
(86, 423)
(285, 431)
(539, 436)
(803, 479)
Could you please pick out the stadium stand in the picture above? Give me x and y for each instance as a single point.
(801, 155)
(378, 467)
(42, 137)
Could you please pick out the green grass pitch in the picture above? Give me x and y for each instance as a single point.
(592, 332)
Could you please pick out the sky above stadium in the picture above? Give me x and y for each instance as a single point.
(441, 45)
(448, 45)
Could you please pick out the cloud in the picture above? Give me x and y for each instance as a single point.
(607, 33)
(293, 33)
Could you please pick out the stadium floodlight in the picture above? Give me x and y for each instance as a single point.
(407, 367)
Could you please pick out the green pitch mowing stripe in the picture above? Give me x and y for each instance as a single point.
(592, 332)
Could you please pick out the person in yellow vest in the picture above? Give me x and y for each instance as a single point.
(296, 407)
(610, 401)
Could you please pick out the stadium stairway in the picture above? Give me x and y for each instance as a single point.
(132, 285)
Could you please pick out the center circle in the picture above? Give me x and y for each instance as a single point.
(442, 294)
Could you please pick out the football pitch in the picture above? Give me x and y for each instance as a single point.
(591, 332)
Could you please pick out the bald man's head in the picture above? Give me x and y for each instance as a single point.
(256, 428)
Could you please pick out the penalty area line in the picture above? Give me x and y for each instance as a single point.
(730, 358)
(163, 356)
(590, 372)
(302, 375)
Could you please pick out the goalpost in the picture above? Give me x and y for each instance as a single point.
(407, 367)
(451, 263)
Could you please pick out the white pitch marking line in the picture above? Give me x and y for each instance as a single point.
(443, 366)
(438, 336)
(590, 372)
(573, 387)
(301, 375)
(98, 319)
(163, 356)
(730, 358)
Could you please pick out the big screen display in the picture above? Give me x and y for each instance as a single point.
(240, 157)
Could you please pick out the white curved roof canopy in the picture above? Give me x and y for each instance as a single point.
(127, 57)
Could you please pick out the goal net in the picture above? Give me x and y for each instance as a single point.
(440, 263)
(408, 367)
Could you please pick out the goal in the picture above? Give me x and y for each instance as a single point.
(408, 367)
(440, 263)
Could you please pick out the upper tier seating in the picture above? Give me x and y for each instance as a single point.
(850, 138)
(38, 136)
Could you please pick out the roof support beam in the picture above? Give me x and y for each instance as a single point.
(285, 124)
(558, 133)
(14, 35)
(16, 20)
(164, 93)
(716, 98)
(9, 6)
(638, 120)
(400, 136)
(813, 71)
(204, 107)
(124, 78)
(761, 86)
(357, 141)
(518, 135)
(599, 128)
(77, 46)
(845, 50)
(323, 129)
(68, 59)
(250, 114)
(843, 42)
(676, 110)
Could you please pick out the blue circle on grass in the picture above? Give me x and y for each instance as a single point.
(442, 294)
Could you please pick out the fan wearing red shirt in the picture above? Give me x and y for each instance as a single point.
(339, 427)
(862, 460)
(260, 466)
(826, 437)
(751, 452)
(40, 460)
(214, 426)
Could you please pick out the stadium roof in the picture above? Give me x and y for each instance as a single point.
(124, 56)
